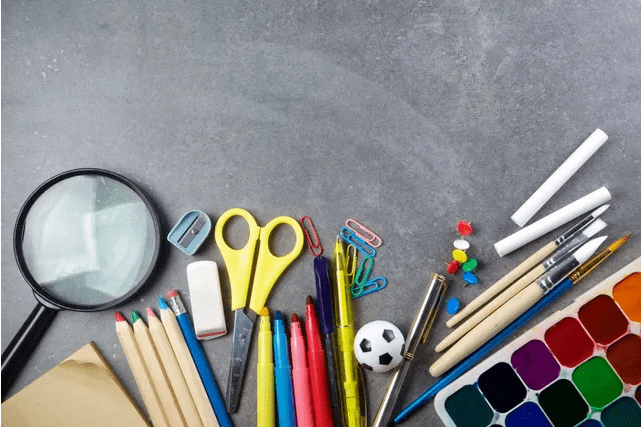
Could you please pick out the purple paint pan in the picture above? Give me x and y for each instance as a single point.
(535, 365)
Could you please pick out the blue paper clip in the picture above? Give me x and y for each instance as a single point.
(372, 285)
(349, 236)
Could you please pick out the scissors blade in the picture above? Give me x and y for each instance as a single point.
(243, 329)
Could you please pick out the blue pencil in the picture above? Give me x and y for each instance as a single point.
(472, 360)
(200, 361)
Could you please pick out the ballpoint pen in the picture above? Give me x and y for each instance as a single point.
(347, 363)
(265, 374)
(512, 309)
(283, 375)
(581, 272)
(203, 367)
(317, 366)
(326, 324)
(418, 334)
(300, 375)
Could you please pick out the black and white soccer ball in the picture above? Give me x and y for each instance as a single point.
(379, 346)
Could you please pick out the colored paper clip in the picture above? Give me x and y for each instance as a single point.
(351, 263)
(361, 278)
(373, 285)
(315, 247)
(349, 236)
(364, 233)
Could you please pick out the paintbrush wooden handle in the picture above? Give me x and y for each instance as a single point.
(488, 328)
(502, 283)
(489, 308)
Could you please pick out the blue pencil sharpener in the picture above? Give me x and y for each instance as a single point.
(190, 231)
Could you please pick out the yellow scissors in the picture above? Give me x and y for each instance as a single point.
(240, 263)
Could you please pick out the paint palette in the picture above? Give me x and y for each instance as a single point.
(580, 367)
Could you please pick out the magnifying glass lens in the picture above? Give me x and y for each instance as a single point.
(88, 240)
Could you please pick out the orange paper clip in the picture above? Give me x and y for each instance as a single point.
(315, 247)
(364, 233)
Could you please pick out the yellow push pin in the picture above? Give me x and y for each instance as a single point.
(460, 256)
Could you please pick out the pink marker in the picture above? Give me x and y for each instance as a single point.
(300, 375)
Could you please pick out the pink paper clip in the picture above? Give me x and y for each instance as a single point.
(315, 247)
(364, 233)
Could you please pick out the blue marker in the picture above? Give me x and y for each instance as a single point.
(203, 367)
(283, 375)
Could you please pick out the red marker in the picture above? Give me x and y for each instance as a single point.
(300, 376)
(318, 369)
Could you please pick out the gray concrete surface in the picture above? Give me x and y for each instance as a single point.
(406, 115)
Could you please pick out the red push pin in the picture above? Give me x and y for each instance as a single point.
(464, 228)
(453, 267)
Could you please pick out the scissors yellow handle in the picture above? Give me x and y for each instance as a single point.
(239, 262)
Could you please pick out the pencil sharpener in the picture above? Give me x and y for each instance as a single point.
(190, 231)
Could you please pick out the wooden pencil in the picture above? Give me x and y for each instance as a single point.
(185, 361)
(174, 373)
(140, 372)
(158, 374)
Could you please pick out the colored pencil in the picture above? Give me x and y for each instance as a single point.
(139, 370)
(173, 370)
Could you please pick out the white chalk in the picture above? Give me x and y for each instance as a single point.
(552, 221)
(559, 177)
(206, 300)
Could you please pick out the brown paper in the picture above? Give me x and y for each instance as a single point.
(80, 391)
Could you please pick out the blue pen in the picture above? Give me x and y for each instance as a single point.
(283, 375)
(326, 325)
(551, 296)
(198, 355)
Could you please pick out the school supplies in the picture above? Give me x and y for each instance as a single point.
(185, 361)
(240, 263)
(567, 238)
(318, 369)
(157, 372)
(190, 231)
(364, 233)
(559, 177)
(283, 374)
(80, 251)
(203, 367)
(512, 309)
(418, 334)
(80, 391)
(314, 244)
(326, 324)
(205, 298)
(347, 365)
(581, 363)
(300, 375)
(520, 284)
(141, 373)
(470, 361)
(265, 374)
(173, 370)
(552, 221)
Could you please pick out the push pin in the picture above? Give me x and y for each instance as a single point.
(469, 278)
(453, 267)
(460, 256)
(461, 244)
(464, 228)
(469, 265)
(452, 306)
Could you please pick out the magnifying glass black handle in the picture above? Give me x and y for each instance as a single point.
(21, 346)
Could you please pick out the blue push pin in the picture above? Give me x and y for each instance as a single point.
(452, 306)
(469, 278)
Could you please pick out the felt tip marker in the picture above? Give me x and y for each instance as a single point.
(265, 374)
(283, 374)
(300, 375)
(317, 366)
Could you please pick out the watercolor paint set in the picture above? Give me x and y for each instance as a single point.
(579, 367)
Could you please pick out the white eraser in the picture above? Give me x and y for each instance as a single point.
(559, 177)
(551, 222)
(206, 300)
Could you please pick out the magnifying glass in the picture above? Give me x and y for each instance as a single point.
(85, 240)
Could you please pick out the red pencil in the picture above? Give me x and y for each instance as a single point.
(317, 366)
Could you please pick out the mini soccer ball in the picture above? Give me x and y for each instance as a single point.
(379, 346)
